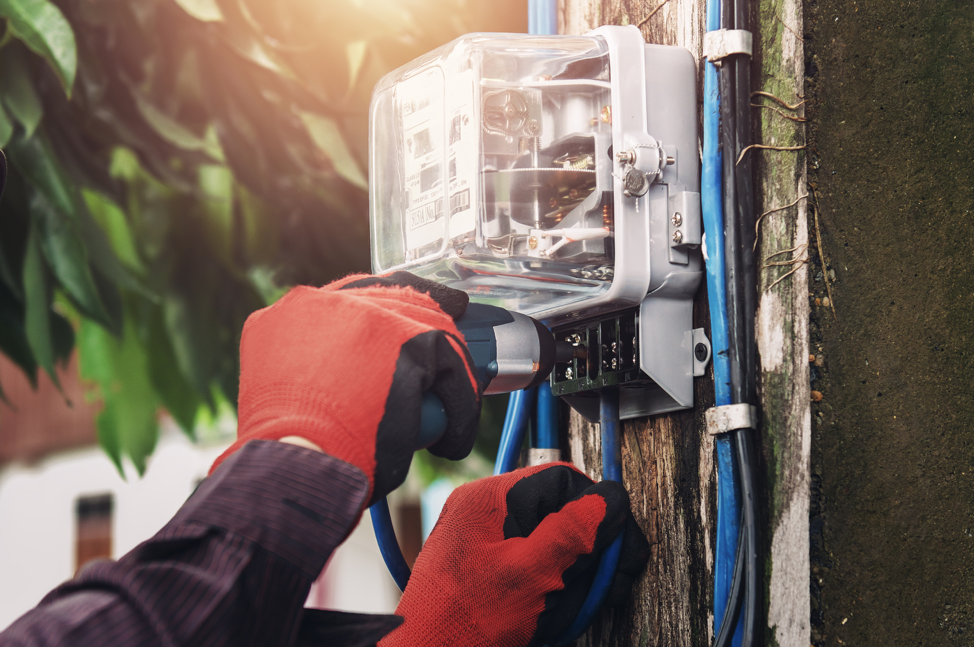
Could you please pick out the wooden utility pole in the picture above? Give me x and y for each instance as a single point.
(668, 460)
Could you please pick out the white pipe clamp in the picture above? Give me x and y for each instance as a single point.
(729, 417)
(722, 43)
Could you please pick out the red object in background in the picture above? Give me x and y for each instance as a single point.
(37, 423)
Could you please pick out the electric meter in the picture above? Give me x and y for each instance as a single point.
(558, 177)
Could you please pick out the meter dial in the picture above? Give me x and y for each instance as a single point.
(506, 113)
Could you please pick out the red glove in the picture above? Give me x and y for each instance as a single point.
(346, 366)
(512, 557)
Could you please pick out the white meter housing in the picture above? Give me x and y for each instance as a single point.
(555, 176)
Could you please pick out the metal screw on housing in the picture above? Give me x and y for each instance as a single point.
(626, 157)
(677, 237)
(677, 219)
(700, 351)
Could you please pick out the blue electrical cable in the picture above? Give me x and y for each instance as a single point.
(542, 17)
(728, 490)
(515, 423)
(385, 536)
(609, 427)
(546, 422)
(512, 437)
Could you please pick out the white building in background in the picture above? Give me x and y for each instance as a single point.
(62, 501)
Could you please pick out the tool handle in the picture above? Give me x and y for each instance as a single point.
(432, 421)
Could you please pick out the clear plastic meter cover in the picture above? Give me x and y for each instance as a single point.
(491, 170)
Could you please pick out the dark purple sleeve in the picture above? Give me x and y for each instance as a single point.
(233, 567)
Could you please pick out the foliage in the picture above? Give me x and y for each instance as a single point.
(173, 163)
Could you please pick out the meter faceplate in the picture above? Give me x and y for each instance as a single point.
(555, 176)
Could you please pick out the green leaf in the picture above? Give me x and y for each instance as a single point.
(54, 212)
(35, 159)
(216, 185)
(62, 336)
(262, 279)
(105, 262)
(6, 127)
(14, 229)
(128, 422)
(45, 30)
(259, 234)
(191, 333)
(205, 10)
(327, 136)
(174, 132)
(175, 391)
(124, 164)
(59, 239)
(13, 336)
(112, 221)
(17, 90)
(37, 292)
(251, 47)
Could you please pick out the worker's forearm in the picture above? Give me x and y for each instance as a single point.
(233, 567)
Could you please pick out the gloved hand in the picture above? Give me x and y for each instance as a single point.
(346, 366)
(512, 557)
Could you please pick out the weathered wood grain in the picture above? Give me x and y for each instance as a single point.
(782, 328)
(668, 461)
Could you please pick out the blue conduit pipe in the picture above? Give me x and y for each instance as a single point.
(610, 430)
(728, 491)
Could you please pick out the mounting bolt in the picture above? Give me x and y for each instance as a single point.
(635, 183)
(569, 373)
(700, 352)
(677, 237)
(677, 219)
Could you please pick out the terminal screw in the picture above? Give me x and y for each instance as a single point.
(533, 242)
